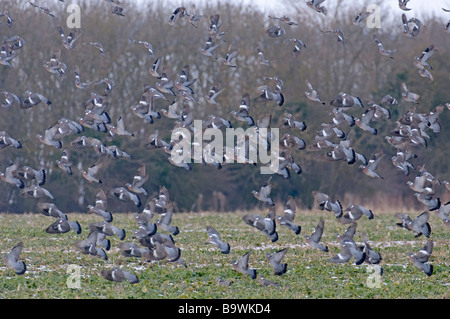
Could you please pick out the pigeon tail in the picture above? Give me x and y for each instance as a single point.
(282, 270)
(226, 250)
(252, 273)
(75, 226)
(20, 268)
(427, 269)
(359, 261)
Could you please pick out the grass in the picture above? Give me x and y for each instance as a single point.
(309, 275)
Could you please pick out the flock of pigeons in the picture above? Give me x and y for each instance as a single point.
(154, 237)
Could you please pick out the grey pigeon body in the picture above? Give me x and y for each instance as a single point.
(372, 165)
(316, 236)
(131, 249)
(419, 226)
(108, 229)
(119, 275)
(50, 209)
(266, 282)
(100, 206)
(166, 219)
(324, 202)
(372, 256)
(64, 162)
(354, 213)
(146, 228)
(291, 122)
(264, 193)
(242, 266)
(12, 259)
(6, 140)
(8, 176)
(349, 250)
(243, 112)
(36, 192)
(312, 94)
(62, 225)
(275, 259)
(420, 259)
(214, 238)
(88, 246)
(345, 101)
(137, 185)
(266, 225)
(429, 201)
(125, 195)
(10, 100)
(287, 219)
(444, 214)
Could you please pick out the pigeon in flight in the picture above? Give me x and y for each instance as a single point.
(316, 236)
(420, 259)
(419, 226)
(242, 266)
(214, 238)
(275, 259)
(12, 259)
(264, 194)
(287, 219)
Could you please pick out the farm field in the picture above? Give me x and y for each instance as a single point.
(50, 257)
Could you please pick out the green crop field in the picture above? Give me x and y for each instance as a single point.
(51, 258)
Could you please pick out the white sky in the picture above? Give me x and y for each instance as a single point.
(418, 7)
